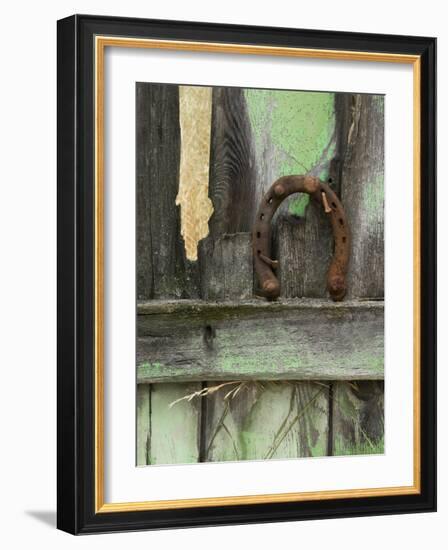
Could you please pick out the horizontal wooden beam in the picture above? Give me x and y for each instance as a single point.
(189, 340)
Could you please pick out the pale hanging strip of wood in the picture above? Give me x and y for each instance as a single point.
(195, 111)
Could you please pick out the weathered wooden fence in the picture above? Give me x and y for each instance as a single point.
(302, 376)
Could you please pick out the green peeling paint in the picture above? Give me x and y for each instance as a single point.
(174, 429)
(297, 206)
(295, 132)
(278, 361)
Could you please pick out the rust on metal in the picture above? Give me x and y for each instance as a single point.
(261, 237)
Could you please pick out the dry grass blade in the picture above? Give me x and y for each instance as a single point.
(298, 416)
(201, 393)
(218, 427)
(233, 392)
(235, 450)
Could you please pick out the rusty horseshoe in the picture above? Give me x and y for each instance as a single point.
(261, 236)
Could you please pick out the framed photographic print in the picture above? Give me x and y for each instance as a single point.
(246, 274)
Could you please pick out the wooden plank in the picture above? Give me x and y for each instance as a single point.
(143, 211)
(175, 428)
(358, 408)
(226, 420)
(289, 249)
(362, 192)
(226, 267)
(319, 245)
(313, 418)
(143, 423)
(294, 339)
(162, 268)
(232, 164)
(266, 420)
(319, 240)
(295, 133)
(358, 418)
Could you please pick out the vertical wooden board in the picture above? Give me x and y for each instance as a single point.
(290, 420)
(313, 418)
(175, 430)
(143, 423)
(143, 213)
(289, 249)
(232, 164)
(267, 420)
(294, 133)
(226, 267)
(304, 247)
(225, 419)
(358, 408)
(270, 430)
(318, 251)
(358, 418)
(362, 189)
(162, 268)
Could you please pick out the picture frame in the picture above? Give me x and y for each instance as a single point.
(82, 195)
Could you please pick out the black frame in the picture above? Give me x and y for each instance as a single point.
(75, 475)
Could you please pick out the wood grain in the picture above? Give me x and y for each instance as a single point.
(162, 268)
(358, 417)
(226, 267)
(289, 245)
(319, 239)
(266, 420)
(143, 423)
(358, 409)
(314, 347)
(302, 232)
(259, 340)
(362, 190)
(232, 168)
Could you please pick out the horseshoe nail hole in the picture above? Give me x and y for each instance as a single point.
(269, 201)
(261, 216)
(333, 205)
(341, 221)
(258, 234)
(258, 251)
(330, 180)
(343, 239)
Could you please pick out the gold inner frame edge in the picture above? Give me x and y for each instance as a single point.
(101, 42)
